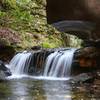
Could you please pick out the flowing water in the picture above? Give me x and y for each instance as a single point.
(54, 84)
(34, 89)
(59, 63)
(19, 63)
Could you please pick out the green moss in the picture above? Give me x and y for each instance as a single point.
(28, 17)
(46, 45)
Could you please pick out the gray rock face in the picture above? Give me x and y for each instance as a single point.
(4, 71)
(82, 29)
(83, 78)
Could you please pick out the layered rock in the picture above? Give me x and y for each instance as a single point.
(4, 71)
(86, 60)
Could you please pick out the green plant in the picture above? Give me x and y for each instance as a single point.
(47, 45)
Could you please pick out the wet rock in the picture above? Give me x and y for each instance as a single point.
(87, 57)
(7, 72)
(85, 52)
(83, 78)
(38, 61)
(4, 70)
(95, 87)
(2, 66)
(36, 47)
(2, 75)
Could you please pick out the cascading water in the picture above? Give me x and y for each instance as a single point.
(58, 64)
(20, 63)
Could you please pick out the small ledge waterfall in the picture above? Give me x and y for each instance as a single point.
(54, 64)
(20, 63)
(58, 64)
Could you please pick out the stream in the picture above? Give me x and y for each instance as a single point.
(44, 89)
(52, 84)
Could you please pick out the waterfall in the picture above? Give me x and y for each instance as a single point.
(58, 64)
(20, 63)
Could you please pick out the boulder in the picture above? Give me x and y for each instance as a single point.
(83, 78)
(87, 57)
(4, 71)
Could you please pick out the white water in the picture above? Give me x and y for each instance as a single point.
(19, 62)
(58, 64)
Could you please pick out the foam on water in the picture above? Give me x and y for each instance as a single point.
(37, 77)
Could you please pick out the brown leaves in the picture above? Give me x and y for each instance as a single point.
(9, 35)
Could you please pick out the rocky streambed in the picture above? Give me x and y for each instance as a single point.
(84, 83)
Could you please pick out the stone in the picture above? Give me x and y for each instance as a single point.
(83, 78)
(36, 47)
(4, 70)
(2, 75)
(88, 56)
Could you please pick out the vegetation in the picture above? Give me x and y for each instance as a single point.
(27, 19)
